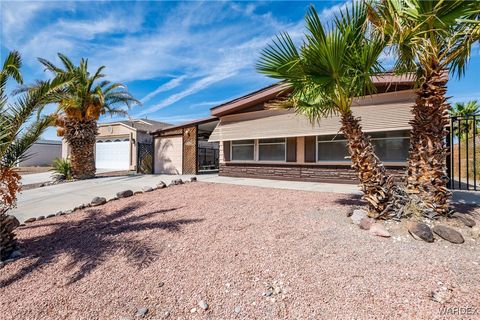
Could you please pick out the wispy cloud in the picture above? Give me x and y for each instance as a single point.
(172, 84)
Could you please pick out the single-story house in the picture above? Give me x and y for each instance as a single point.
(119, 142)
(249, 139)
(42, 153)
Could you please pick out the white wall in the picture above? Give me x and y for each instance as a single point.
(168, 155)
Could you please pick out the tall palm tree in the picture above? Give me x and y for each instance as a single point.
(18, 131)
(80, 106)
(331, 68)
(430, 37)
(467, 124)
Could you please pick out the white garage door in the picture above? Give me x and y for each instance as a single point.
(112, 155)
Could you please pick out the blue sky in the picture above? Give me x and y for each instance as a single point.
(179, 58)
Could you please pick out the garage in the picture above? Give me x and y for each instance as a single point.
(113, 154)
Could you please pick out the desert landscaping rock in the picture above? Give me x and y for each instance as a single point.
(366, 223)
(238, 309)
(208, 235)
(193, 179)
(203, 304)
(465, 219)
(141, 312)
(147, 189)
(59, 213)
(98, 201)
(50, 215)
(421, 231)
(40, 218)
(137, 192)
(358, 215)
(30, 220)
(124, 194)
(176, 182)
(161, 185)
(379, 230)
(448, 234)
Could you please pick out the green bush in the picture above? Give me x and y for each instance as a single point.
(62, 168)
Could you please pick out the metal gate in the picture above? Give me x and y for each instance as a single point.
(464, 164)
(145, 158)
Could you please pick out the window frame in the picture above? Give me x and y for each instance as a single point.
(254, 150)
(271, 143)
(349, 161)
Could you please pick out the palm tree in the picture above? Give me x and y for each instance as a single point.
(18, 131)
(430, 37)
(331, 68)
(79, 108)
(466, 124)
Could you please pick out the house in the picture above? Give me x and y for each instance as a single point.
(119, 142)
(41, 154)
(255, 141)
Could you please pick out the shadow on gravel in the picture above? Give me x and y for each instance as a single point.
(92, 240)
(351, 200)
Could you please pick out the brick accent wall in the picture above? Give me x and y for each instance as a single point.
(299, 172)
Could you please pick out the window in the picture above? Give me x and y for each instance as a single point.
(271, 149)
(332, 148)
(243, 150)
(389, 146)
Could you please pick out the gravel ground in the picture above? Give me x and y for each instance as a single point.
(249, 253)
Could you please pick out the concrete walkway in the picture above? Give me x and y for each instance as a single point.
(48, 200)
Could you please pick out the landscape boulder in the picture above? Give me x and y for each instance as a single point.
(98, 201)
(366, 223)
(358, 215)
(193, 179)
(176, 182)
(379, 230)
(465, 219)
(421, 231)
(29, 220)
(147, 189)
(161, 185)
(448, 234)
(125, 194)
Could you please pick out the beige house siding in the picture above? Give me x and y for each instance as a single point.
(168, 156)
(384, 112)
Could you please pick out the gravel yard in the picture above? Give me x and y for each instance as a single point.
(247, 252)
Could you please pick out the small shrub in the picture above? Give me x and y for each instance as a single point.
(62, 169)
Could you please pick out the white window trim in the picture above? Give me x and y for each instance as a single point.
(340, 162)
(272, 143)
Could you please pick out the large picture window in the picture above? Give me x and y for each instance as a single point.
(389, 146)
(272, 149)
(243, 150)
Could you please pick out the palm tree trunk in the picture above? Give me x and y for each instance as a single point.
(427, 163)
(377, 187)
(80, 135)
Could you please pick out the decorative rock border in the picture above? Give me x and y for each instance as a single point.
(418, 230)
(99, 201)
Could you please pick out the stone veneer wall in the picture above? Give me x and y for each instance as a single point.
(299, 172)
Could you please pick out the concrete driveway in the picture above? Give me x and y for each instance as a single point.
(48, 200)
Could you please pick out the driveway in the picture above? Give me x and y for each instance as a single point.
(48, 200)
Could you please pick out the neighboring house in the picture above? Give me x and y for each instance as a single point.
(42, 153)
(118, 142)
(255, 141)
